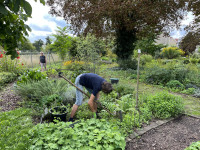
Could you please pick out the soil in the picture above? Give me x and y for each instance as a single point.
(174, 135)
(8, 99)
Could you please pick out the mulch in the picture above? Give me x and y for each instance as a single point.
(174, 135)
(8, 99)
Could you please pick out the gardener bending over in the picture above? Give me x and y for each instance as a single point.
(94, 84)
(42, 61)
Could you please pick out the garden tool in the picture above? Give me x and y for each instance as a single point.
(98, 103)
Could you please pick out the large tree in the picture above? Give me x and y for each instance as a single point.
(189, 42)
(126, 18)
(14, 14)
(26, 45)
(38, 44)
(62, 42)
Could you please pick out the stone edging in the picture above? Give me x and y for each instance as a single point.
(151, 126)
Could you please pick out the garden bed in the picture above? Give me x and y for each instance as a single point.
(174, 135)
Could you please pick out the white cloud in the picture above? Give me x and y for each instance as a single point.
(41, 18)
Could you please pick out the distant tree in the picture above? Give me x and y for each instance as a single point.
(127, 19)
(38, 44)
(26, 45)
(48, 40)
(147, 45)
(62, 42)
(189, 42)
(89, 48)
(14, 14)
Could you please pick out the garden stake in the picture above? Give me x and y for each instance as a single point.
(98, 103)
(138, 75)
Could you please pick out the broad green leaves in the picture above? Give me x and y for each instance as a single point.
(90, 134)
(13, 15)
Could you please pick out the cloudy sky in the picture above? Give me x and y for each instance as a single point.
(43, 24)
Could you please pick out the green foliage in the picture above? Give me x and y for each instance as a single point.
(6, 77)
(26, 45)
(145, 59)
(148, 46)
(123, 89)
(8, 65)
(62, 42)
(158, 75)
(175, 84)
(13, 16)
(128, 63)
(73, 49)
(164, 105)
(50, 100)
(194, 146)
(189, 91)
(89, 134)
(197, 93)
(172, 52)
(14, 127)
(89, 48)
(30, 76)
(44, 87)
(38, 44)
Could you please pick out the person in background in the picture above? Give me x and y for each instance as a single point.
(42, 61)
(94, 84)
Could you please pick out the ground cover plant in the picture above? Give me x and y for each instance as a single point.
(6, 77)
(89, 134)
(14, 127)
(194, 146)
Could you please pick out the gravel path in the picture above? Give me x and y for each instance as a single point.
(8, 99)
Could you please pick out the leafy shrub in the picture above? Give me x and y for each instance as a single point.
(33, 75)
(194, 146)
(105, 58)
(123, 89)
(74, 65)
(89, 134)
(8, 65)
(164, 105)
(69, 95)
(6, 77)
(42, 88)
(197, 93)
(145, 58)
(174, 84)
(128, 64)
(158, 75)
(172, 52)
(14, 127)
(189, 91)
(50, 100)
(194, 60)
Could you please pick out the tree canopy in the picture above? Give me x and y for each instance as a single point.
(127, 19)
(189, 42)
(14, 14)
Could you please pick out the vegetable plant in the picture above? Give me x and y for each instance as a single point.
(90, 134)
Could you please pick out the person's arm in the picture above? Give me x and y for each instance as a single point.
(97, 96)
(91, 103)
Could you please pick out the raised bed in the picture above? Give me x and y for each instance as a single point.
(176, 134)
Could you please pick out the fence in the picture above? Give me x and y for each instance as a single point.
(32, 59)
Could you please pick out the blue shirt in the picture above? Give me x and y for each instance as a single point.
(92, 81)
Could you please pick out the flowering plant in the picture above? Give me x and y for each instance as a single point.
(172, 52)
(9, 65)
